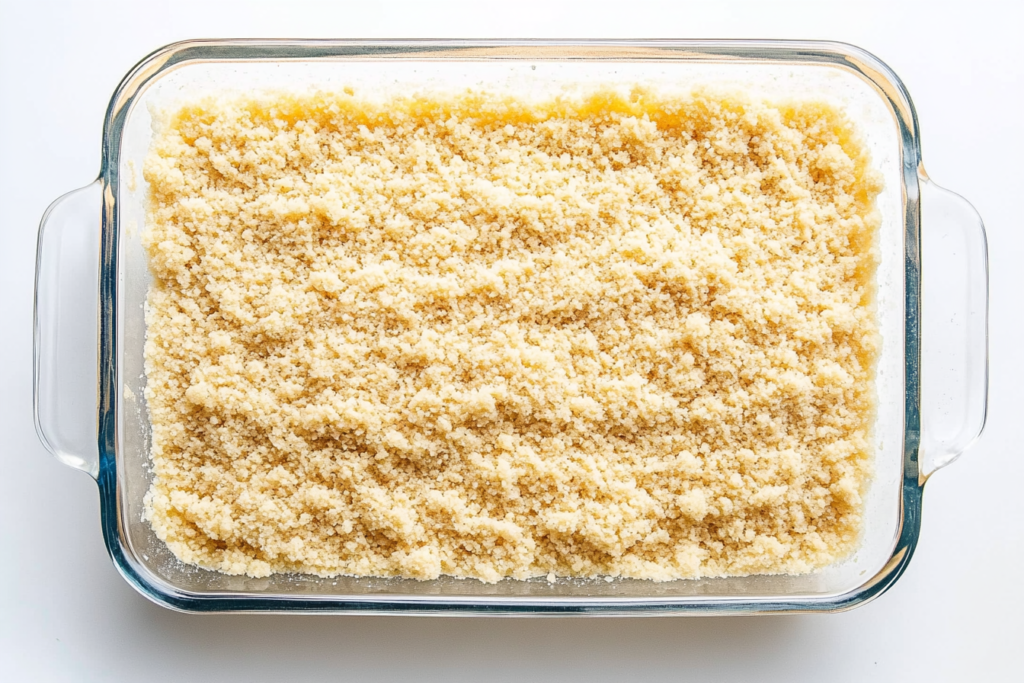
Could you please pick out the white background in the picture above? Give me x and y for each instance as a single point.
(65, 614)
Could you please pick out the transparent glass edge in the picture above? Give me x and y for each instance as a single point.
(842, 55)
(76, 461)
(970, 435)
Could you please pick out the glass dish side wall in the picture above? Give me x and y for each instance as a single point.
(775, 69)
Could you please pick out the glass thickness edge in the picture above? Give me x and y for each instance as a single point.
(841, 55)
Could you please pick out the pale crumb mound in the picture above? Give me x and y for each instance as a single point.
(612, 335)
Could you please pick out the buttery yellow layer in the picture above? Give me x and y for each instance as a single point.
(617, 335)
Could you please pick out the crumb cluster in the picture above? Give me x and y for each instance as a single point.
(616, 334)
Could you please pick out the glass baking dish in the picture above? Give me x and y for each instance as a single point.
(92, 278)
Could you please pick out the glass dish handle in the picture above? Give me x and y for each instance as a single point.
(65, 328)
(954, 326)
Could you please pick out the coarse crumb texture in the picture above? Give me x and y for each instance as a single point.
(611, 334)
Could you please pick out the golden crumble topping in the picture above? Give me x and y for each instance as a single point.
(623, 335)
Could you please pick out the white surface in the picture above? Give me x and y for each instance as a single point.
(65, 614)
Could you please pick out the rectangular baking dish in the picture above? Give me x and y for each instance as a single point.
(92, 278)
